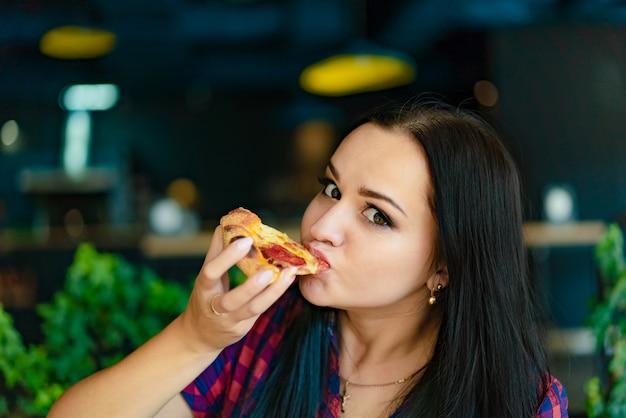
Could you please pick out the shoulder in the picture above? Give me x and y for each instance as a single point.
(555, 403)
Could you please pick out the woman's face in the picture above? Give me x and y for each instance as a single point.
(372, 222)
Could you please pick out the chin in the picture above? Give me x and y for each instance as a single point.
(313, 290)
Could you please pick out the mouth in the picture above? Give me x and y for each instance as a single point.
(320, 256)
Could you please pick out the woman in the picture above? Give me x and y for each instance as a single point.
(426, 310)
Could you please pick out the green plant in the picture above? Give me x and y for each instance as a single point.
(106, 308)
(25, 386)
(606, 392)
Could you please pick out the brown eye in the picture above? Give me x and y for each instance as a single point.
(376, 217)
(331, 190)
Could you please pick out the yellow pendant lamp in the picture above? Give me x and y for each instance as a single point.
(365, 67)
(76, 42)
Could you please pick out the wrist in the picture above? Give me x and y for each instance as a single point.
(191, 340)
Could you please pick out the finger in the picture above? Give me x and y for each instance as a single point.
(217, 266)
(216, 246)
(257, 294)
(213, 305)
(272, 292)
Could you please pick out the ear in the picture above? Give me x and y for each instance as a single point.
(439, 278)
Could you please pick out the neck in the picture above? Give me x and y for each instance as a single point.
(374, 350)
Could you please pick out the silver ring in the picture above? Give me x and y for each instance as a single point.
(213, 307)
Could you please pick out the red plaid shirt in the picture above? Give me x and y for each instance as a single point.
(217, 390)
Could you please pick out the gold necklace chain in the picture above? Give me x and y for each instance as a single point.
(371, 385)
(345, 395)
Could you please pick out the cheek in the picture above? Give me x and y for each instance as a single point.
(404, 264)
(404, 258)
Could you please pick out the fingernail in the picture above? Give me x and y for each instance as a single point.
(265, 277)
(243, 243)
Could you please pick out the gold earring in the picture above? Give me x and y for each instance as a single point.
(433, 299)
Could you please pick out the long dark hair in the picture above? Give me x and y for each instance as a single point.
(489, 358)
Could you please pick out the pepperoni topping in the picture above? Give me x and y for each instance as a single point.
(280, 257)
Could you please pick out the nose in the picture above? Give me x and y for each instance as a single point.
(329, 227)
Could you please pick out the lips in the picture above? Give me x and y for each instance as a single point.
(320, 256)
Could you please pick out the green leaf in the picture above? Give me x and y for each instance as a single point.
(609, 253)
(594, 403)
(606, 393)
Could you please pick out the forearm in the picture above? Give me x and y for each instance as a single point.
(142, 383)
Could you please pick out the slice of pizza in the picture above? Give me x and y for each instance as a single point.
(271, 249)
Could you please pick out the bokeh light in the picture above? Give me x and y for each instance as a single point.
(9, 133)
(183, 192)
(486, 93)
(74, 223)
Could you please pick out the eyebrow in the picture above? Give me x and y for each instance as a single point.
(367, 192)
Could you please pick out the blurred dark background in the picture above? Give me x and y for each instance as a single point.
(210, 113)
(202, 80)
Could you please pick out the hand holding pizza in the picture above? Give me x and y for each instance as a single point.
(238, 308)
(218, 316)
